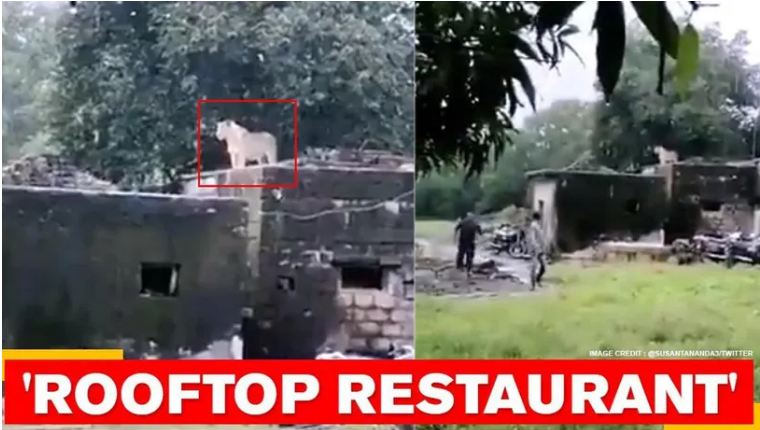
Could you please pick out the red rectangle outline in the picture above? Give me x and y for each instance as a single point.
(293, 102)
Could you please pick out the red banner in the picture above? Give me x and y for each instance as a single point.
(379, 392)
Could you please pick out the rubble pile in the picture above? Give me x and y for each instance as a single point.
(405, 352)
(356, 158)
(51, 171)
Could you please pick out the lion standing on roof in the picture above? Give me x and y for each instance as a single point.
(246, 147)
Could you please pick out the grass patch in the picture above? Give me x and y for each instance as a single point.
(621, 306)
(610, 306)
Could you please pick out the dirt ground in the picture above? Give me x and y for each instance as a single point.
(435, 273)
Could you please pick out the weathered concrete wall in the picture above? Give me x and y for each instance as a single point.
(709, 197)
(544, 195)
(730, 218)
(375, 320)
(72, 264)
(707, 184)
(590, 204)
(304, 235)
(49, 170)
(680, 198)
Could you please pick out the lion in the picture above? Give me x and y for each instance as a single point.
(246, 147)
(666, 156)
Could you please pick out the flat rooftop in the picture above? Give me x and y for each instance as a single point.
(372, 162)
(557, 173)
(53, 191)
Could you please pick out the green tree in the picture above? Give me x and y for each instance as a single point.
(554, 138)
(446, 194)
(471, 61)
(131, 73)
(714, 120)
(557, 137)
(29, 57)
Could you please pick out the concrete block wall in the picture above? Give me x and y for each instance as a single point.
(624, 205)
(375, 320)
(335, 212)
(72, 270)
(718, 183)
(730, 218)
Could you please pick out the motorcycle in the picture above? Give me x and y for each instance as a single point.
(711, 246)
(510, 240)
(730, 249)
(743, 248)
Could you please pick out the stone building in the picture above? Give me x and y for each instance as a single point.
(711, 197)
(146, 273)
(327, 262)
(48, 170)
(579, 206)
(678, 198)
(332, 259)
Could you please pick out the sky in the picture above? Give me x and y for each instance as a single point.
(575, 80)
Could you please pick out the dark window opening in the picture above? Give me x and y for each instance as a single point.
(632, 206)
(367, 278)
(409, 289)
(710, 205)
(159, 279)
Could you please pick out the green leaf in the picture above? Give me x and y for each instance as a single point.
(657, 19)
(522, 76)
(568, 30)
(552, 14)
(523, 47)
(609, 23)
(688, 59)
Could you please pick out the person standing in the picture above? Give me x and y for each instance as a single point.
(466, 231)
(537, 249)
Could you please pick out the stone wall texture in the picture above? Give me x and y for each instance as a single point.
(730, 218)
(375, 320)
(710, 196)
(619, 206)
(72, 263)
(298, 238)
(51, 171)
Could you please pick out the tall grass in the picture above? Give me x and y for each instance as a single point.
(610, 306)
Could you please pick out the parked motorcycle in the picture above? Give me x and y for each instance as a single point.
(711, 246)
(509, 239)
(730, 249)
(743, 248)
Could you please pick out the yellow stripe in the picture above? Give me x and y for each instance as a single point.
(60, 354)
(755, 426)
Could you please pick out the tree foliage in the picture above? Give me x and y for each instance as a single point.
(712, 119)
(556, 137)
(29, 56)
(716, 117)
(471, 68)
(131, 73)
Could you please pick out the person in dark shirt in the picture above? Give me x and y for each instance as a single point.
(537, 248)
(466, 231)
